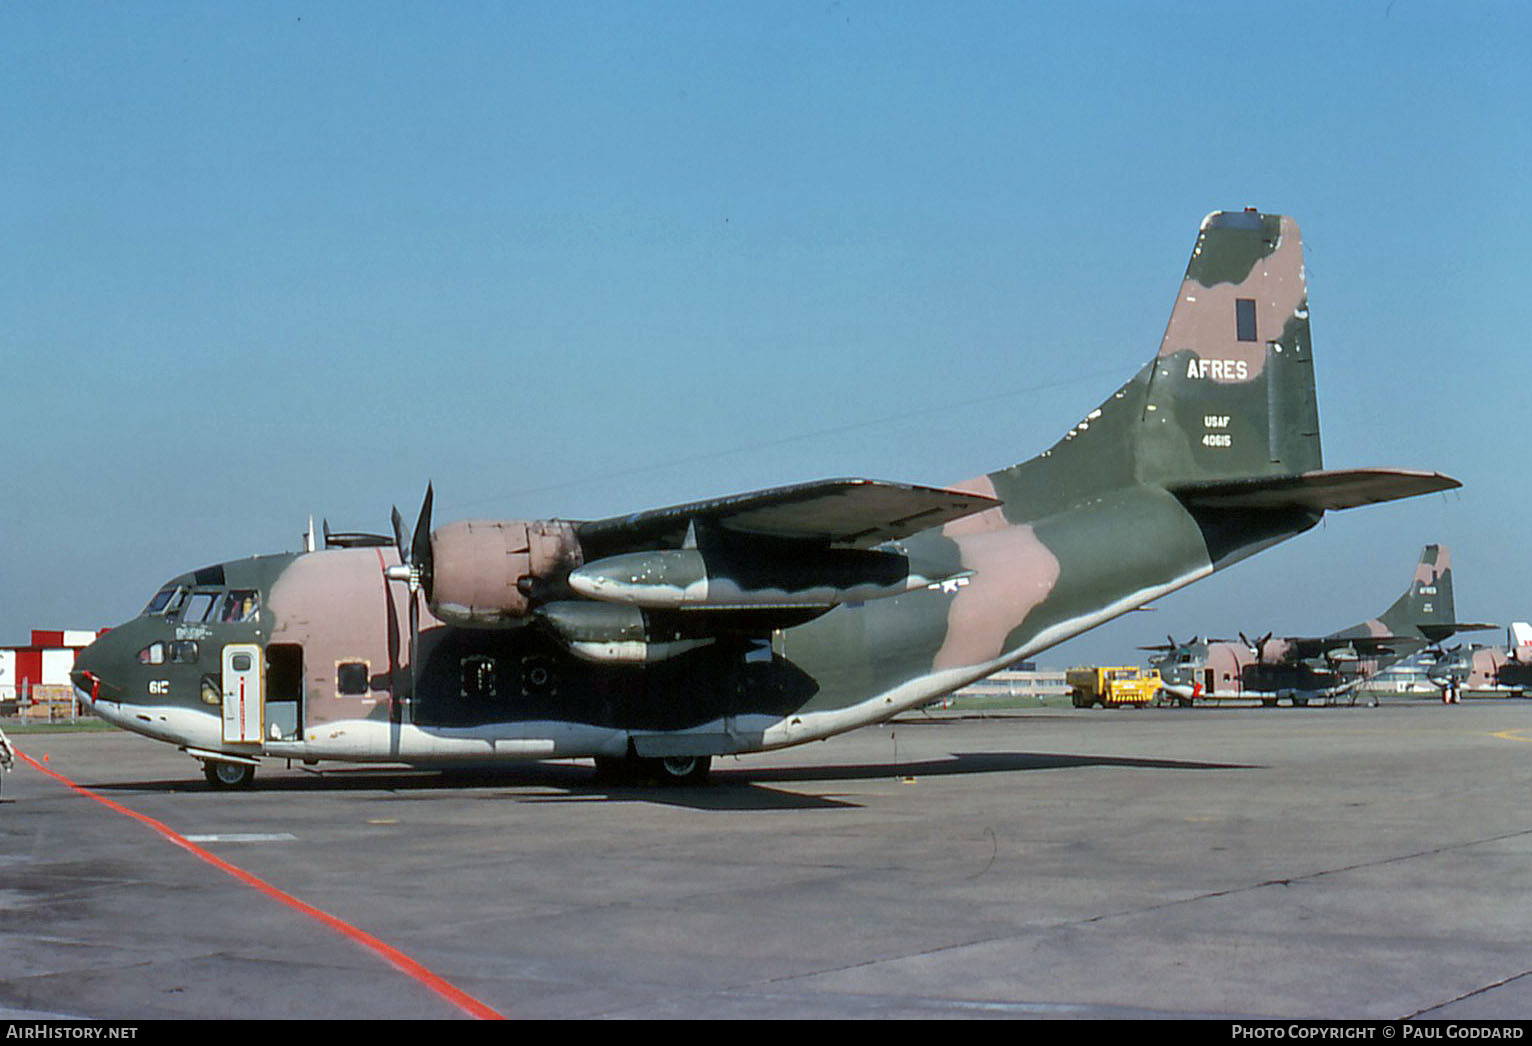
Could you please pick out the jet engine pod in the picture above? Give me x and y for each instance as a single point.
(785, 577)
(488, 573)
(1341, 655)
(614, 634)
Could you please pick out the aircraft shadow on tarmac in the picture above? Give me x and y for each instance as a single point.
(735, 787)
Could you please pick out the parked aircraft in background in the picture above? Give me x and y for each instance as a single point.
(657, 640)
(1318, 668)
(1489, 671)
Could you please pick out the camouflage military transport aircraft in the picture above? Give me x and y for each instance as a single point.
(1318, 668)
(655, 641)
(1489, 671)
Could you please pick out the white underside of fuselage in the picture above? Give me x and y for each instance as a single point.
(380, 741)
(1190, 693)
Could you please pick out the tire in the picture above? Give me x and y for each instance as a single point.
(225, 775)
(682, 769)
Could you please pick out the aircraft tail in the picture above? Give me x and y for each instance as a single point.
(1231, 391)
(1518, 640)
(1225, 416)
(1426, 607)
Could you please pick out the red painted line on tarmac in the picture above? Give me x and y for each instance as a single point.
(395, 958)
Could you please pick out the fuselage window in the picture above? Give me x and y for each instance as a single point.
(153, 654)
(351, 678)
(183, 652)
(199, 607)
(241, 604)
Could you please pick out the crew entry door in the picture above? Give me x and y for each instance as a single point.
(242, 693)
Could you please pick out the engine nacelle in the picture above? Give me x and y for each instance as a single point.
(486, 573)
(613, 634)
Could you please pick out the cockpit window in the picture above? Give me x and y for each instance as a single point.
(200, 607)
(166, 601)
(241, 604)
(153, 654)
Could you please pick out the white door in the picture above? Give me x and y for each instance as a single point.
(242, 693)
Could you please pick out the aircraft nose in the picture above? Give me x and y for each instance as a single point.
(86, 674)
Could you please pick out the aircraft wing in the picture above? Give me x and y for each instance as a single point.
(1305, 647)
(1316, 491)
(848, 513)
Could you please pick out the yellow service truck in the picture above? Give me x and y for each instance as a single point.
(1112, 686)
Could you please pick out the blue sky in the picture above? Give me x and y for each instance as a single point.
(269, 260)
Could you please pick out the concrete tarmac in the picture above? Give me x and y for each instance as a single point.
(1258, 863)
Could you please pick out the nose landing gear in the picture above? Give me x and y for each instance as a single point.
(225, 775)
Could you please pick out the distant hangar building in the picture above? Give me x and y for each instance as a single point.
(40, 670)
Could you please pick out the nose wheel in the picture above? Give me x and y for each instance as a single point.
(225, 775)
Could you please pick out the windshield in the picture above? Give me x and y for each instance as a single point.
(167, 600)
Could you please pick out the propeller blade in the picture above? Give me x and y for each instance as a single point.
(420, 548)
(401, 539)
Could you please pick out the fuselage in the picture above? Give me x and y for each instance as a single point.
(1269, 672)
(1486, 671)
(335, 678)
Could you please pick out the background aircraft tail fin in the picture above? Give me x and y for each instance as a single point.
(1518, 639)
(1426, 607)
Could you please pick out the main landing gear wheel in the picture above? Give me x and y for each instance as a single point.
(221, 774)
(683, 769)
(669, 770)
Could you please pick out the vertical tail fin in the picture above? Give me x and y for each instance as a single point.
(1231, 392)
(1426, 607)
(1228, 396)
(1424, 611)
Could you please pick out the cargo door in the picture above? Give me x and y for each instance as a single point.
(242, 693)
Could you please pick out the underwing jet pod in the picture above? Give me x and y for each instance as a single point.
(1304, 669)
(655, 641)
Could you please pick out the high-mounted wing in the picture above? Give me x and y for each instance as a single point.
(1307, 647)
(848, 513)
(752, 562)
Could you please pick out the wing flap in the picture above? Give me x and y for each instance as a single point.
(1316, 491)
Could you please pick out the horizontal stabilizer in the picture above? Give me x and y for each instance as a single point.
(1437, 633)
(856, 513)
(1315, 491)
